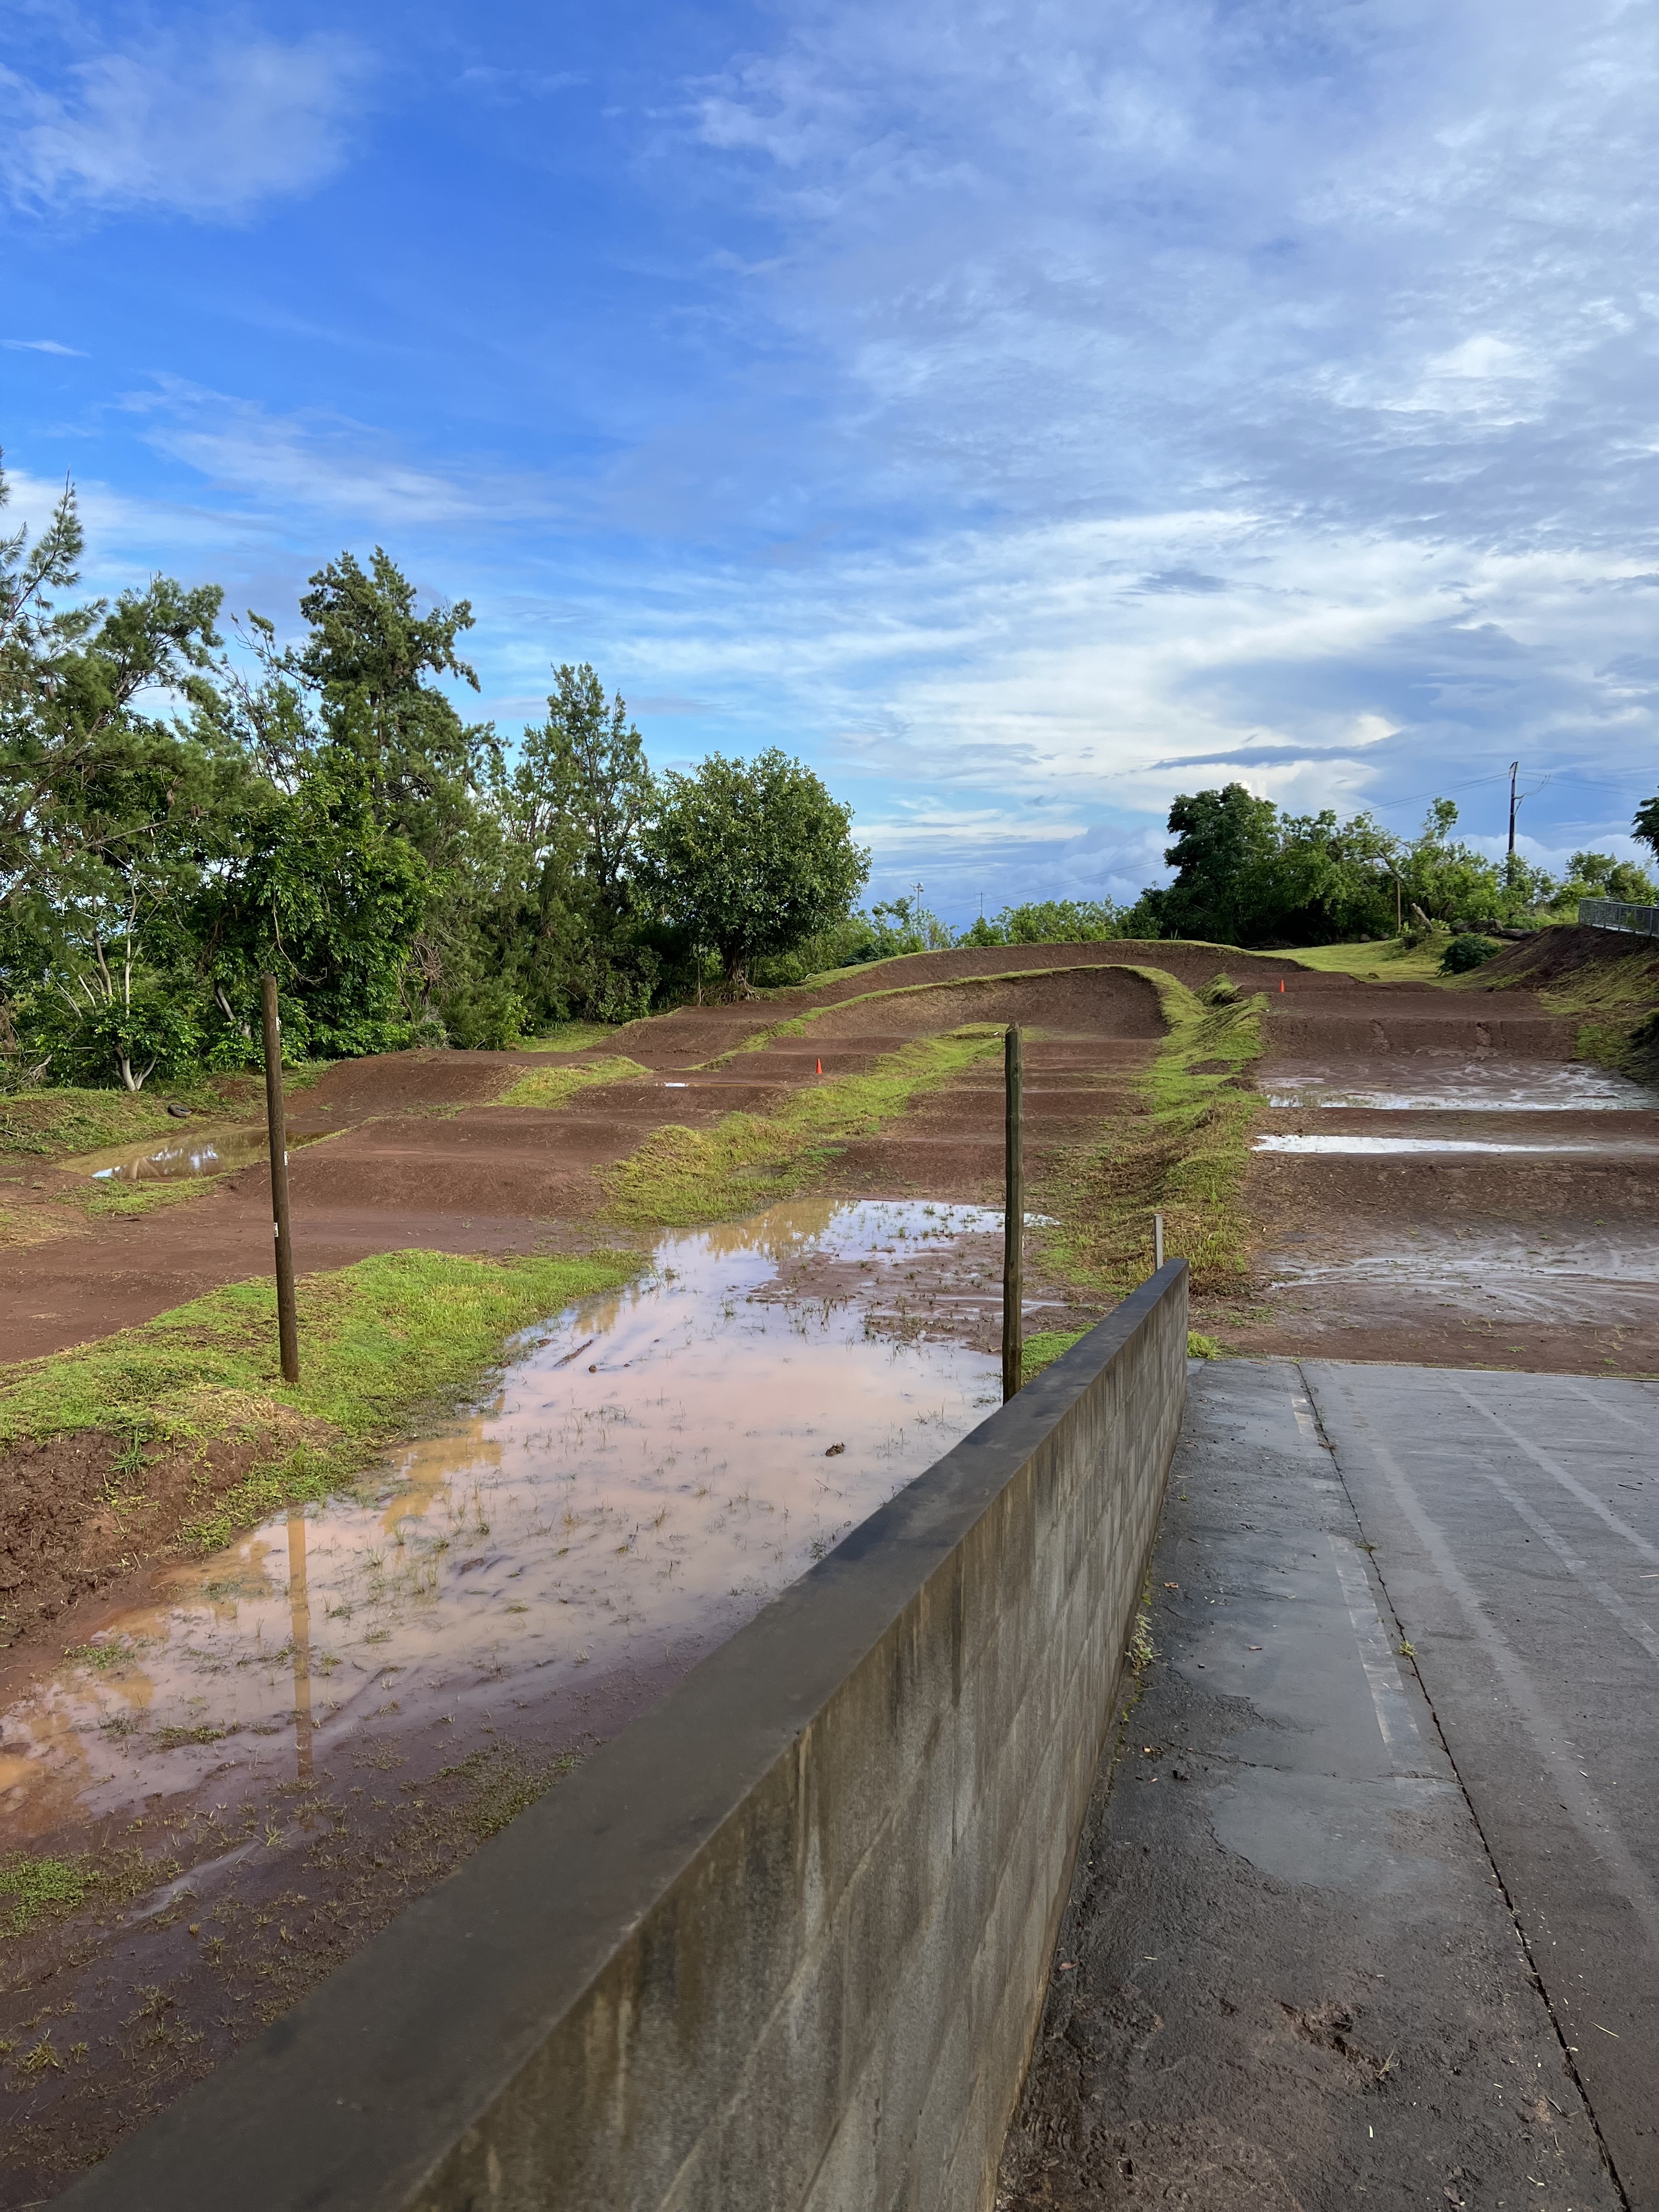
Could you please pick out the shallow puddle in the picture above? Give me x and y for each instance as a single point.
(1398, 1148)
(1483, 1086)
(653, 1465)
(206, 1152)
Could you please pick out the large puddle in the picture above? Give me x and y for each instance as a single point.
(1629, 1147)
(653, 1465)
(1483, 1086)
(198, 1152)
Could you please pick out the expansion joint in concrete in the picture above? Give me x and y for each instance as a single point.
(1568, 2056)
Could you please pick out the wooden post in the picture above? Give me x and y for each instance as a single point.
(287, 1327)
(1013, 1223)
(1158, 1242)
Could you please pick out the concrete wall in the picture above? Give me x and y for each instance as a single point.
(783, 1943)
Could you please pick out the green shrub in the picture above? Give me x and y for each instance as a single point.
(1469, 952)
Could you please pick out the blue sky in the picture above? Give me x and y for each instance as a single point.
(1022, 413)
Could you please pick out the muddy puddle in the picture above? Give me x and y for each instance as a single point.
(651, 1467)
(1490, 1086)
(1565, 1276)
(1402, 1147)
(198, 1152)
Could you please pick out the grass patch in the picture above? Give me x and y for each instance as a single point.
(44, 1889)
(1042, 1350)
(380, 1342)
(570, 1037)
(1187, 1158)
(23, 1225)
(49, 1123)
(553, 1087)
(1390, 962)
(680, 1177)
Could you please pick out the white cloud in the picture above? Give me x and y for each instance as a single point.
(202, 124)
(321, 463)
(42, 345)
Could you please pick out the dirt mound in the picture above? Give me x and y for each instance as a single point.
(404, 1082)
(1553, 955)
(1190, 963)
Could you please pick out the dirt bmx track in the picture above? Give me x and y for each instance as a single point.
(419, 1154)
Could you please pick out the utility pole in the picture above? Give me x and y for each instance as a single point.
(288, 1326)
(1515, 770)
(1014, 1216)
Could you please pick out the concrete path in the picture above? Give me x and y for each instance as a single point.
(1289, 1975)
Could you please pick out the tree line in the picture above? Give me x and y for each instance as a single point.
(177, 820)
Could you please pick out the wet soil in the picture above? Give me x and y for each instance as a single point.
(256, 1759)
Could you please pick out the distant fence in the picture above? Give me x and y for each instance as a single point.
(782, 1945)
(1618, 914)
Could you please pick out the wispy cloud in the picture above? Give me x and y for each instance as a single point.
(42, 345)
(201, 122)
(322, 464)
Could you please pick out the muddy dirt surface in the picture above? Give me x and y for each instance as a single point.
(260, 1761)
(256, 1759)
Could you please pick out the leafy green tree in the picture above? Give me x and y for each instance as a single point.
(573, 809)
(1645, 827)
(110, 808)
(753, 858)
(323, 896)
(1600, 875)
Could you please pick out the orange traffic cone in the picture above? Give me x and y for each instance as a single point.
(820, 1067)
(1281, 982)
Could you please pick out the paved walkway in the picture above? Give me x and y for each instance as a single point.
(1348, 1926)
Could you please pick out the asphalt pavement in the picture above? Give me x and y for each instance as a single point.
(1363, 1910)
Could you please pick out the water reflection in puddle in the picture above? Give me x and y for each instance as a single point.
(1482, 1086)
(1401, 1146)
(206, 1152)
(655, 1465)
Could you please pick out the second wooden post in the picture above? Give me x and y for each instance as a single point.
(288, 1326)
(1013, 1226)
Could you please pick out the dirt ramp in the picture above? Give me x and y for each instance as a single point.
(1436, 1022)
(404, 1082)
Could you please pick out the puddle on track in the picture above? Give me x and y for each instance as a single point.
(655, 1465)
(1401, 1147)
(204, 1152)
(1482, 1086)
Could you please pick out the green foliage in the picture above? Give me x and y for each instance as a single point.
(1467, 953)
(1645, 827)
(1599, 875)
(1248, 875)
(751, 859)
(572, 812)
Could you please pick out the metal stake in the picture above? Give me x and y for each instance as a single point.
(1013, 1219)
(288, 1326)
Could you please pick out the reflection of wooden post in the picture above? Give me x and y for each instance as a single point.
(287, 1327)
(1013, 1219)
(299, 1613)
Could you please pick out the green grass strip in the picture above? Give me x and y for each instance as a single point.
(553, 1087)
(1042, 1350)
(382, 1343)
(679, 1176)
(1187, 1158)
